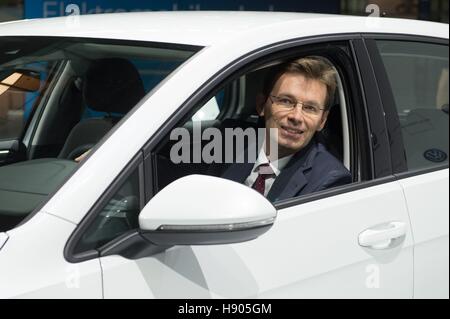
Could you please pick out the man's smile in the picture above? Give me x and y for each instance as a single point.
(291, 132)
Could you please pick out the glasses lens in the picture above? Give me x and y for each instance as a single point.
(290, 104)
(283, 102)
(310, 109)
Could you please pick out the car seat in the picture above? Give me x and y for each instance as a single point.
(331, 135)
(111, 86)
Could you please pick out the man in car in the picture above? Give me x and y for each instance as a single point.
(295, 102)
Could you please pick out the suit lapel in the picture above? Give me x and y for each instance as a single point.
(291, 180)
(238, 172)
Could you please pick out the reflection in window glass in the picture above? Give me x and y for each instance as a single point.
(418, 75)
(20, 88)
(118, 216)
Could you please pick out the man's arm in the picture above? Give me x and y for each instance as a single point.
(82, 156)
(335, 178)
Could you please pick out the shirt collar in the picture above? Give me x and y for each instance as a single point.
(277, 165)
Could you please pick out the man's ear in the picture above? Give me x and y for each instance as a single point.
(323, 120)
(260, 102)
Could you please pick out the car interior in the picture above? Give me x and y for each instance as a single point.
(423, 112)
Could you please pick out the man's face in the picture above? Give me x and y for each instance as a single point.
(295, 128)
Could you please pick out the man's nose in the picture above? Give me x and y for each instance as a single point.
(296, 114)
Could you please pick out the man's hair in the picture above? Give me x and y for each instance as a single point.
(311, 67)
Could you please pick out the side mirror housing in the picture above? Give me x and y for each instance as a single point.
(205, 210)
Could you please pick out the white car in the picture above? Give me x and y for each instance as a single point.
(129, 222)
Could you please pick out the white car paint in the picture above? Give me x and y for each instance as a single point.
(430, 227)
(33, 264)
(214, 28)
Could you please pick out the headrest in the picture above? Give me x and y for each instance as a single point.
(112, 85)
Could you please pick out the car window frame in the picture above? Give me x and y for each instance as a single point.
(398, 159)
(293, 46)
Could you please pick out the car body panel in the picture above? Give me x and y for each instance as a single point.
(427, 198)
(33, 264)
(208, 28)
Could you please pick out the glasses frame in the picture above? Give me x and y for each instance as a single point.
(272, 97)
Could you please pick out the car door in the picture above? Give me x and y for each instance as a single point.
(353, 241)
(312, 251)
(414, 73)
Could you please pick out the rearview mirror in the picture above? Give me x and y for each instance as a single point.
(205, 210)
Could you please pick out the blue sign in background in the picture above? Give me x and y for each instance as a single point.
(48, 8)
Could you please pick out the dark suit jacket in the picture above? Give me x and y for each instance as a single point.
(310, 170)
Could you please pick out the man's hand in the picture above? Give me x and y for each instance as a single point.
(82, 156)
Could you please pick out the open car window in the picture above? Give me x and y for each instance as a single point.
(200, 143)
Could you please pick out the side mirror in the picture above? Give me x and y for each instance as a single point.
(205, 210)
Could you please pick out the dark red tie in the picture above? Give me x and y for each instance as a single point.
(264, 172)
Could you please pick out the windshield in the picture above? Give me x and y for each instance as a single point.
(58, 98)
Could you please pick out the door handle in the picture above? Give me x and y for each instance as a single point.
(382, 236)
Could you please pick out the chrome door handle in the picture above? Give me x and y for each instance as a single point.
(382, 236)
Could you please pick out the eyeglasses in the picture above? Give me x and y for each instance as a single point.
(290, 104)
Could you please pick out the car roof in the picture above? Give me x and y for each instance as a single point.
(206, 28)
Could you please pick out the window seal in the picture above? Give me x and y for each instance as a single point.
(327, 193)
(405, 37)
(381, 158)
(421, 171)
(396, 146)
